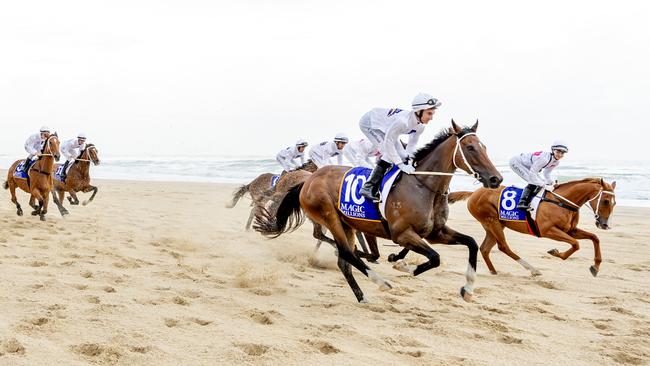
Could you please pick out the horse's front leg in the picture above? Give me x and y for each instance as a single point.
(73, 197)
(92, 197)
(32, 204)
(581, 234)
(559, 235)
(57, 196)
(410, 240)
(452, 237)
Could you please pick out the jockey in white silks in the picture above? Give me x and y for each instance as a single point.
(529, 165)
(383, 127)
(71, 150)
(361, 153)
(287, 157)
(34, 146)
(323, 153)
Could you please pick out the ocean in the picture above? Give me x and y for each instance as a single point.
(632, 178)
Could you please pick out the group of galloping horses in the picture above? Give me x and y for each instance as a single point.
(417, 210)
(40, 181)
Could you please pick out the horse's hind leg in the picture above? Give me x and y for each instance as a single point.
(488, 243)
(92, 197)
(373, 254)
(56, 197)
(14, 199)
(500, 238)
(250, 218)
(74, 200)
(32, 203)
(392, 257)
(319, 234)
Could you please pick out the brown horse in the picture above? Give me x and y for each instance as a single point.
(261, 189)
(39, 183)
(557, 218)
(416, 209)
(78, 179)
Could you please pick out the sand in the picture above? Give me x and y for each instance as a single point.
(164, 274)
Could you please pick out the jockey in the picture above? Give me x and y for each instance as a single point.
(287, 156)
(34, 146)
(361, 152)
(322, 153)
(528, 166)
(71, 150)
(383, 127)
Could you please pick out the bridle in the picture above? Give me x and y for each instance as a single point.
(457, 149)
(598, 196)
(85, 160)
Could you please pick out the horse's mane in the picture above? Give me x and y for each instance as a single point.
(597, 180)
(441, 137)
(305, 165)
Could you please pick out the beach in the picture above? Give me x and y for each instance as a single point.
(161, 273)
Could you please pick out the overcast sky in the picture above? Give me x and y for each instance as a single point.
(151, 78)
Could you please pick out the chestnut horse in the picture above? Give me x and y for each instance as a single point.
(557, 218)
(416, 209)
(78, 179)
(261, 189)
(40, 178)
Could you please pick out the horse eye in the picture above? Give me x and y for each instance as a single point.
(606, 202)
(470, 148)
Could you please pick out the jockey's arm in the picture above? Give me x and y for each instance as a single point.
(391, 142)
(547, 176)
(413, 143)
(535, 169)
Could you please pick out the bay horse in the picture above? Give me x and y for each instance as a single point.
(557, 218)
(77, 180)
(39, 183)
(261, 189)
(416, 208)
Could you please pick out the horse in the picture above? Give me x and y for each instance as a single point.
(77, 180)
(261, 188)
(290, 180)
(557, 218)
(416, 208)
(39, 181)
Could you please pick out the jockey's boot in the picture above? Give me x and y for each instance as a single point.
(529, 192)
(28, 163)
(370, 189)
(64, 172)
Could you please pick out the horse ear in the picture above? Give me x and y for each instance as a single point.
(475, 127)
(455, 126)
(614, 185)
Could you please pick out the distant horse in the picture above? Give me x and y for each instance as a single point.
(557, 218)
(261, 189)
(77, 180)
(416, 208)
(39, 181)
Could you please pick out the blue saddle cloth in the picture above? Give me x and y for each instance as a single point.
(274, 180)
(20, 172)
(351, 203)
(508, 202)
(58, 174)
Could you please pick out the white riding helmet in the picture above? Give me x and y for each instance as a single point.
(81, 136)
(341, 137)
(560, 145)
(45, 129)
(424, 101)
(301, 143)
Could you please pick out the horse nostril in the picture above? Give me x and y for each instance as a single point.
(495, 181)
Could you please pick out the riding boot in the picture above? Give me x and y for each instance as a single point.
(370, 189)
(527, 195)
(28, 163)
(64, 172)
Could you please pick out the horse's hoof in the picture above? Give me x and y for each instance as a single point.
(494, 273)
(553, 252)
(392, 257)
(19, 212)
(536, 273)
(466, 295)
(385, 287)
(593, 270)
(35, 213)
(42, 218)
(84, 203)
(364, 301)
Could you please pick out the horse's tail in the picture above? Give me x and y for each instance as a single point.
(6, 185)
(239, 193)
(458, 196)
(288, 217)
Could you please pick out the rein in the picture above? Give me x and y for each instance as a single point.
(576, 207)
(453, 159)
